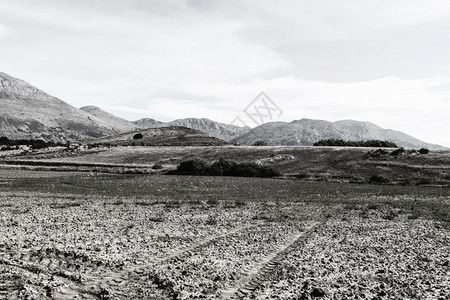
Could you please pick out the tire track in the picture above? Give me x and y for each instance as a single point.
(103, 288)
(256, 275)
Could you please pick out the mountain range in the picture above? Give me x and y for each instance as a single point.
(29, 113)
(306, 132)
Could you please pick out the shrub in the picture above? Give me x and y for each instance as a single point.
(424, 151)
(212, 202)
(4, 140)
(157, 166)
(193, 166)
(260, 143)
(225, 167)
(367, 143)
(424, 181)
(397, 152)
(378, 179)
(137, 136)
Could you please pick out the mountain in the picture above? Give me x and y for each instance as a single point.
(148, 123)
(222, 131)
(29, 113)
(162, 136)
(306, 132)
(116, 123)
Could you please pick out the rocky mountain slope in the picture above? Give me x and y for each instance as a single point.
(222, 131)
(29, 113)
(148, 123)
(117, 124)
(307, 132)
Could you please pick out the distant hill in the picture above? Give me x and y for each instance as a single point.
(148, 123)
(162, 136)
(116, 123)
(222, 131)
(306, 132)
(29, 113)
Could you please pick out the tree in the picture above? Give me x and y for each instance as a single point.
(137, 136)
(4, 140)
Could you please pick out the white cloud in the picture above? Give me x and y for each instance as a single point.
(4, 32)
(326, 59)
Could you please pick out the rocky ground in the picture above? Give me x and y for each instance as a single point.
(62, 246)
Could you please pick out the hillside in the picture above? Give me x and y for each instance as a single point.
(116, 123)
(29, 113)
(163, 136)
(306, 132)
(148, 123)
(221, 131)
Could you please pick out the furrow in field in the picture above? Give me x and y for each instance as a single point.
(110, 280)
(256, 275)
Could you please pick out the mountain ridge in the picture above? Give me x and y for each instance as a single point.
(305, 132)
(30, 113)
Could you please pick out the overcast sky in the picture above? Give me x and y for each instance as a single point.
(382, 61)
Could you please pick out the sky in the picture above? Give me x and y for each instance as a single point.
(381, 61)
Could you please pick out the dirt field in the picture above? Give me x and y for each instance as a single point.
(87, 236)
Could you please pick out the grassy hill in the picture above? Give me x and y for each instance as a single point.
(163, 136)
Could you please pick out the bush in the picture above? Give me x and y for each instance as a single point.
(224, 167)
(157, 166)
(4, 140)
(193, 166)
(137, 136)
(424, 151)
(397, 152)
(260, 143)
(378, 179)
(368, 143)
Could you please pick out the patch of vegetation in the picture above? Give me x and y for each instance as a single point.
(424, 181)
(368, 143)
(378, 179)
(376, 153)
(157, 166)
(260, 143)
(157, 219)
(424, 151)
(35, 144)
(173, 204)
(212, 202)
(398, 152)
(137, 136)
(64, 205)
(193, 166)
(118, 202)
(224, 167)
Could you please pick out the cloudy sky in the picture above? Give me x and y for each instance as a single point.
(383, 61)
